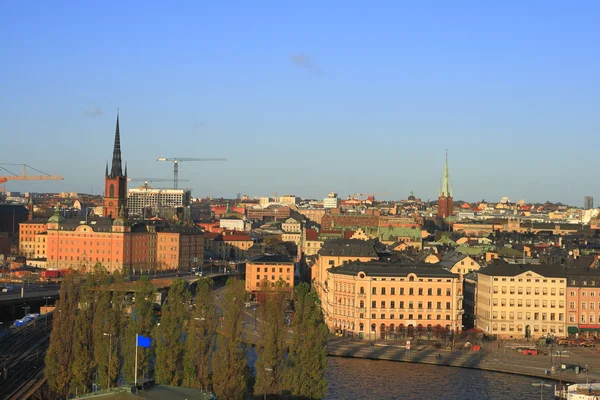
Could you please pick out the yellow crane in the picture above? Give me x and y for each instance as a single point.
(177, 160)
(14, 177)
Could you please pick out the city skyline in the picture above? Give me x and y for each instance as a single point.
(351, 100)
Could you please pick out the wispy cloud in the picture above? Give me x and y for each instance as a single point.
(304, 61)
(93, 112)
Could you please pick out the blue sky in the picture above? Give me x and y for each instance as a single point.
(308, 98)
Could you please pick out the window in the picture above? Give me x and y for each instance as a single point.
(382, 290)
(392, 304)
(439, 292)
(410, 305)
(393, 291)
(420, 304)
(429, 306)
(420, 291)
(374, 291)
(383, 304)
(373, 304)
(373, 316)
(402, 305)
(411, 291)
(447, 305)
(382, 316)
(439, 305)
(401, 291)
(362, 290)
(362, 304)
(429, 292)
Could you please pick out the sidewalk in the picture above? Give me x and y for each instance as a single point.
(489, 358)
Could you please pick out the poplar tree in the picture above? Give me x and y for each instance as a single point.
(59, 357)
(141, 321)
(201, 334)
(170, 335)
(307, 359)
(229, 360)
(83, 351)
(272, 348)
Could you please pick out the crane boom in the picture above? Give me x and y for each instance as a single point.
(177, 160)
(25, 177)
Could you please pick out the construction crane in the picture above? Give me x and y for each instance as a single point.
(14, 177)
(177, 160)
(147, 181)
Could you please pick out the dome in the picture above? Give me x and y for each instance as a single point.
(411, 197)
(56, 218)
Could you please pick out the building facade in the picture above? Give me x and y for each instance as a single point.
(583, 302)
(269, 269)
(521, 301)
(380, 300)
(27, 236)
(148, 202)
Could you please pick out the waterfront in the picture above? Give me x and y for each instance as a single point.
(362, 379)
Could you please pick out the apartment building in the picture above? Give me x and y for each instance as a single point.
(521, 301)
(381, 299)
(269, 269)
(583, 302)
(27, 236)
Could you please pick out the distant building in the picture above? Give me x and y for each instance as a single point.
(588, 202)
(445, 204)
(146, 201)
(331, 201)
(11, 215)
(289, 199)
(583, 288)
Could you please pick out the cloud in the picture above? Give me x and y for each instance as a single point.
(93, 112)
(304, 61)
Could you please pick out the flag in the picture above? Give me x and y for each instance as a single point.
(143, 341)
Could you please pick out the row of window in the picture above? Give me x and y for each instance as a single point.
(584, 294)
(428, 317)
(266, 269)
(410, 291)
(529, 290)
(528, 315)
(528, 303)
(583, 305)
(287, 278)
(519, 328)
(590, 318)
(411, 305)
(531, 280)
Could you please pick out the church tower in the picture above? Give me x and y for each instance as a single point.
(445, 196)
(115, 183)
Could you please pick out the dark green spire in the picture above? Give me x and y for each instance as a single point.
(117, 170)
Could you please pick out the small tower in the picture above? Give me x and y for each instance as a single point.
(115, 183)
(445, 203)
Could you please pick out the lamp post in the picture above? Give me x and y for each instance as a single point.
(267, 369)
(255, 329)
(109, 351)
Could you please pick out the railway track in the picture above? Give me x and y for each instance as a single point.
(22, 359)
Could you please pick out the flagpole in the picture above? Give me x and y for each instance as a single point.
(136, 346)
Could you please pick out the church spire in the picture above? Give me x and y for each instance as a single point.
(446, 190)
(116, 160)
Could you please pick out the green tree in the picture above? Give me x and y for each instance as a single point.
(59, 357)
(272, 348)
(229, 360)
(170, 334)
(83, 351)
(141, 321)
(201, 333)
(106, 327)
(307, 359)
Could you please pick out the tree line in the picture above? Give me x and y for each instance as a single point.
(197, 338)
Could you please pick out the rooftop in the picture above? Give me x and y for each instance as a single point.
(393, 269)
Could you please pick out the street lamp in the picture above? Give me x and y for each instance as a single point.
(255, 330)
(46, 298)
(109, 351)
(267, 369)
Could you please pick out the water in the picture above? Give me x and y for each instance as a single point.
(353, 378)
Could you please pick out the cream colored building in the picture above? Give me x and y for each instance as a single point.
(382, 300)
(458, 263)
(521, 301)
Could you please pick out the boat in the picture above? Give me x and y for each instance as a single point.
(578, 391)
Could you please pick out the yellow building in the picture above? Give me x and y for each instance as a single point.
(382, 300)
(336, 252)
(521, 301)
(269, 269)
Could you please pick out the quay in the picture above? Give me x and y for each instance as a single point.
(489, 358)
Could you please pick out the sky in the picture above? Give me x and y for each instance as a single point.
(307, 97)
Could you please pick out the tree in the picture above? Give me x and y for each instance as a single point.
(229, 362)
(59, 357)
(170, 335)
(83, 350)
(141, 321)
(307, 359)
(201, 333)
(272, 348)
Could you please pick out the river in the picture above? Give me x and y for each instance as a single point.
(359, 379)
